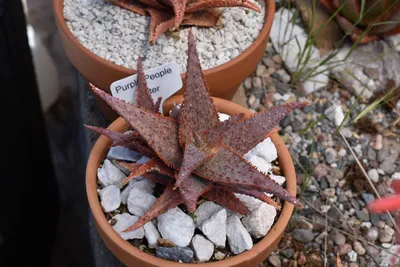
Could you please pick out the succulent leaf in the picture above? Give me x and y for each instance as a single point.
(131, 141)
(160, 22)
(143, 96)
(157, 105)
(206, 4)
(360, 23)
(204, 18)
(158, 178)
(179, 9)
(191, 189)
(134, 7)
(169, 199)
(226, 199)
(245, 135)
(229, 168)
(192, 158)
(198, 112)
(153, 4)
(214, 135)
(160, 133)
(153, 165)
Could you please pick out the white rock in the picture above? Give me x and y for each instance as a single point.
(374, 175)
(260, 220)
(143, 160)
(223, 116)
(176, 226)
(144, 184)
(139, 201)
(124, 32)
(289, 41)
(108, 174)
(250, 202)
(335, 114)
(239, 239)
(266, 150)
(391, 258)
(202, 247)
(352, 256)
(124, 221)
(261, 164)
(204, 212)
(152, 235)
(215, 228)
(110, 198)
(92, 2)
(122, 153)
(278, 178)
(396, 176)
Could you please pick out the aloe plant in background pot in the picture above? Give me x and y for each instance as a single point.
(194, 157)
(366, 20)
(103, 41)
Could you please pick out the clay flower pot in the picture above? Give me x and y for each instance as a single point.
(131, 256)
(223, 80)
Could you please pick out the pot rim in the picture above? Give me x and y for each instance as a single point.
(99, 152)
(268, 20)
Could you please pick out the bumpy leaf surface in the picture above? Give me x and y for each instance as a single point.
(153, 3)
(157, 105)
(191, 189)
(169, 199)
(158, 178)
(192, 158)
(143, 96)
(245, 135)
(131, 141)
(160, 133)
(198, 112)
(205, 18)
(227, 199)
(227, 167)
(206, 4)
(160, 22)
(153, 165)
(179, 9)
(214, 135)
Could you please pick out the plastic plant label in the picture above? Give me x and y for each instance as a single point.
(164, 81)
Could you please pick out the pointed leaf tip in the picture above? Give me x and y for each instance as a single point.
(227, 199)
(191, 189)
(143, 96)
(246, 134)
(228, 168)
(198, 112)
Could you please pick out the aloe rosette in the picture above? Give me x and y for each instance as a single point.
(366, 20)
(191, 152)
(170, 14)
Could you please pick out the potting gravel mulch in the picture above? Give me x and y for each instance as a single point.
(120, 36)
(330, 183)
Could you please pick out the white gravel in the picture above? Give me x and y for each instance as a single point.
(118, 35)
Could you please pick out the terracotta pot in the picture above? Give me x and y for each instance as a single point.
(223, 80)
(131, 256)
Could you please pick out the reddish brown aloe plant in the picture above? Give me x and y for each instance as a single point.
(170, 14)
(194, 154)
